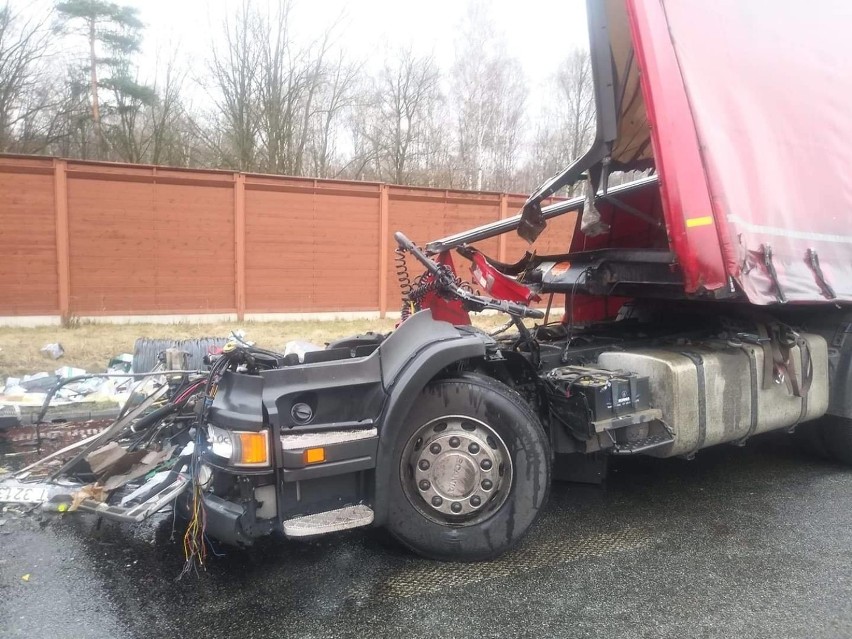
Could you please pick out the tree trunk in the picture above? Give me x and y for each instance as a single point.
(96, 112)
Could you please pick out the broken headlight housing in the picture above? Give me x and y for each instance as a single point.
(244, 449)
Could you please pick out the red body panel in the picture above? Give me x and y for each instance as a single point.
(750, 109)
(498, 285)
(678, 156)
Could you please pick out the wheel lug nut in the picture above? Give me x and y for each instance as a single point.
(424, 484)
(435, 448)
(473, 448)
(454, 442)
(437, 501)
(487, 484)
(475, 501)
(485, 464)
(423, 464)
(456, 507)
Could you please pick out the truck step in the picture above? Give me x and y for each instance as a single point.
(330, 521)
(642, 445)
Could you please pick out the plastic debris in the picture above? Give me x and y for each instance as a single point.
(154, 480)
(37, 382)
(300, 347)
(54, 351)
(66, 372)
(120, 363)
(25, 577)
(146, 464)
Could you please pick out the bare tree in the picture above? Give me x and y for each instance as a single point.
(404, 99)
(574, 80)
(336, 96)
(23, 49)
(172, 141)
(567, 124)
(234, 72)
(488, 93)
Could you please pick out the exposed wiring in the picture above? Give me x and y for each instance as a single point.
(194, 538)
(570, 332)
(194, 544)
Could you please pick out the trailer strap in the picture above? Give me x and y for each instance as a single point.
(702, 400)
(752, 368)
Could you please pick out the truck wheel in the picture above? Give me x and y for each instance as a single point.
(837, 438)
(473, 470)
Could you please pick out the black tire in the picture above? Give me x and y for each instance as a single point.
(837, 438)
(486, 533)
(146, 351)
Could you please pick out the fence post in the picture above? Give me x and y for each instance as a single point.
(383, 250)
(240, 244)
(504, 213)
(63, 258)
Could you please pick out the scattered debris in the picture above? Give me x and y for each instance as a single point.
(54, 351)
(141, 462)
(92, 491)
(25, 577)
(31, 390)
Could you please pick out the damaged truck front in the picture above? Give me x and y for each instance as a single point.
(705, 303)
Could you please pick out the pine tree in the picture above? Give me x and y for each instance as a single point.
(113, 34)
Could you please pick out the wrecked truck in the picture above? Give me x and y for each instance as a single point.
(704, 304)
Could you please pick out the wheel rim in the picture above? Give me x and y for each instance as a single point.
(456, 470)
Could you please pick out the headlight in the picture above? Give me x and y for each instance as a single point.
(240, 448)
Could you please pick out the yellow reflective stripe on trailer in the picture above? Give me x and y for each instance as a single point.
(699, 221)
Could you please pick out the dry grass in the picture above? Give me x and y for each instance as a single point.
(90, 346)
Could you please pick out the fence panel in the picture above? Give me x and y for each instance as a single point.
(29, 276)
(138, 246)
(104, 239)
(313, 249)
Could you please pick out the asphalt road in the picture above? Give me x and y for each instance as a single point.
(752, 542)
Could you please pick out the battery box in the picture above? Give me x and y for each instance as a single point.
(592, 400)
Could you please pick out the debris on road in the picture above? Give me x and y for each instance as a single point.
(31, 390)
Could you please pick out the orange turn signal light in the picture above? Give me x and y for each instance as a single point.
(314, 455)
(254, 449)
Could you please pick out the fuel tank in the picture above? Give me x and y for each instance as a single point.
(714, 392)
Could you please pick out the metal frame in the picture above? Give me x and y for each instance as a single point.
(492, 229)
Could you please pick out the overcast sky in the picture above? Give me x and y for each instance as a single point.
(538, 32)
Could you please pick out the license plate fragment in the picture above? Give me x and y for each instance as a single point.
(22, 493)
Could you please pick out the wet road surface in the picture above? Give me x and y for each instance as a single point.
(751, 542)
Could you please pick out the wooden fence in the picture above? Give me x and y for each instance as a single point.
(87, 239)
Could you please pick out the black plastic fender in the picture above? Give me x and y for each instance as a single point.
(422, 366)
